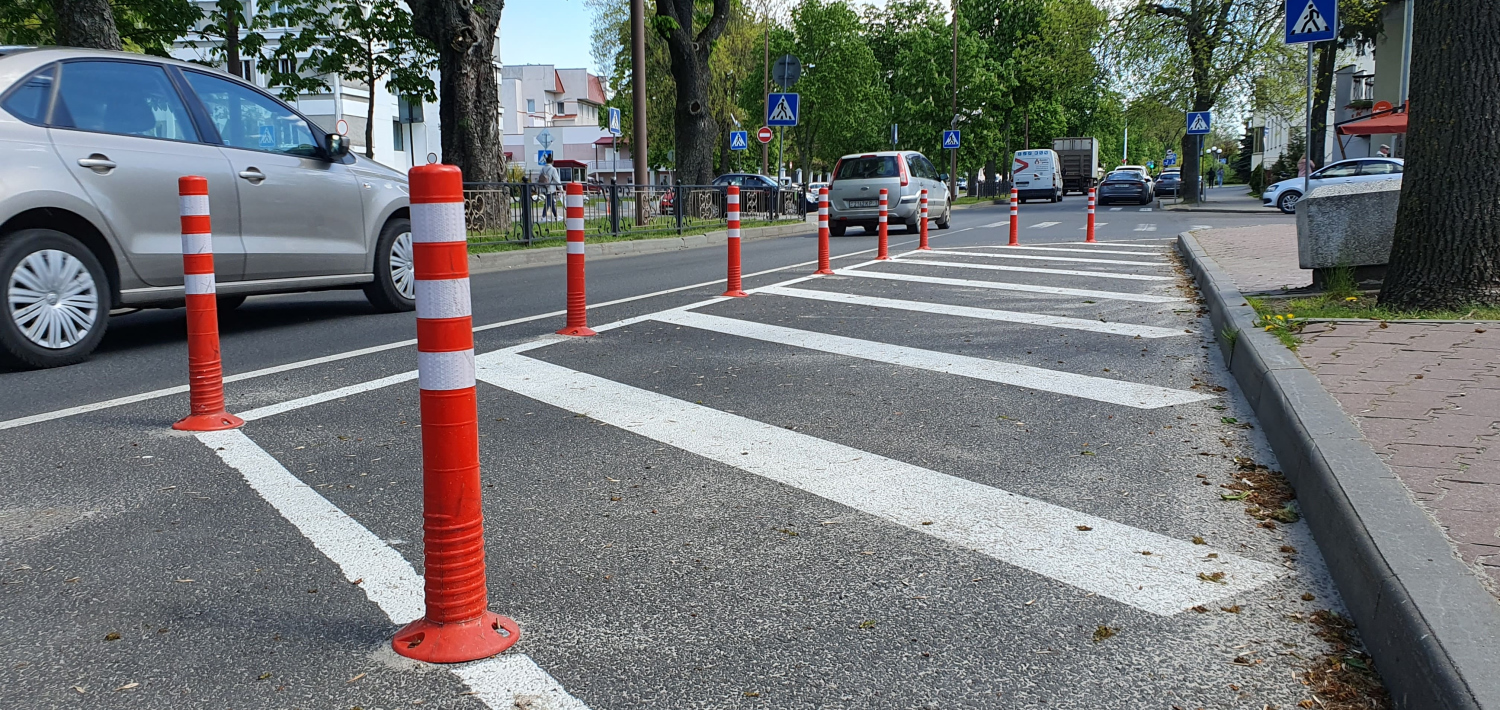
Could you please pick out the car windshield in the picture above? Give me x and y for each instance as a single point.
(869, 166)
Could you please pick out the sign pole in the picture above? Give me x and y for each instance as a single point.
(1307, 149)
(780, 154)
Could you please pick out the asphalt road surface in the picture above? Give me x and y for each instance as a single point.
(978, 477)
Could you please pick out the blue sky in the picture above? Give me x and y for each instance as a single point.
(546, 32)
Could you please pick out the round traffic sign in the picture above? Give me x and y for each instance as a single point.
(342, 127)
(763, 135)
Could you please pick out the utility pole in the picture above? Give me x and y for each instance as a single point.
(953, 154)
(765, 148)
(638, 149)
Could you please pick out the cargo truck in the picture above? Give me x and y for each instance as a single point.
(1079, 160)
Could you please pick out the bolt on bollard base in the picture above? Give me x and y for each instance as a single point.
(205, 368)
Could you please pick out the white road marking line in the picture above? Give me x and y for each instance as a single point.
(1145, 209)
(312, 362)
(1085, 227)
(1138, 251)
(1043, 225)
(1200, 226)
(1017, 530)
(1145, 227)
(330, 395)
(1099, 389)
(1002, 223)
(1034, 270)
(1144, 331)
(387, 579)
(1116, 209)
(1006, 286)
(1008, 254)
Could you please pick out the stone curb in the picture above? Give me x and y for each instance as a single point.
(1267, 212)
(500, 261)
(1432, 628)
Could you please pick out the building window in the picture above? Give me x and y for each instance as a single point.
(286, 65)
(398, 137)
(247, 70)
(530, 105)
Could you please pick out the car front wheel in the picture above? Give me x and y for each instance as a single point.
(57, 299)
(395, 287)
(1287, 203)
(943, 222)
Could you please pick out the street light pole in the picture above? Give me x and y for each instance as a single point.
(638, 148)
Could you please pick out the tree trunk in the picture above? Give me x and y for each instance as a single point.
(370, 104)
(695, 128)
(86, 23)
(1192, 157)
(1323, 90)
(232, 42)
(1446, 253)
(469, 96)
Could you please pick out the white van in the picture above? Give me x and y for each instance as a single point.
(1037, 175)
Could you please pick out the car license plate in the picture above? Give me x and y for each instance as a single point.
(861, 203)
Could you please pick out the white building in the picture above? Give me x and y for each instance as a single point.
(402, 136)
(559, 110)
(1353, 93)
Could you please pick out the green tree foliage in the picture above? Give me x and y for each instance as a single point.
(363, 41)
(145, 26)
(843, 99)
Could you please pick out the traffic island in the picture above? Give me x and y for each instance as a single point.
(1431, 626)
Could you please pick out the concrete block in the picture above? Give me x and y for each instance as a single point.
(1347, 225)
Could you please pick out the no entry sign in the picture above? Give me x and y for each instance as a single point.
(764, 134)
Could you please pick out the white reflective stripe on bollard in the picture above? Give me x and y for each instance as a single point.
(445, 371)
(575, 247)
(197, 243)
(192, 205)
(197, 284)
(438, 222)
(443, 298)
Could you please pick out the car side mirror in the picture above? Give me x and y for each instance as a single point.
(943, 177)
(338, 146)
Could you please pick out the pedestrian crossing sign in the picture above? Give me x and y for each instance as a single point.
(1199, 122)
(739, 140)
(781, 109)
(1311, 21)
(950, 140)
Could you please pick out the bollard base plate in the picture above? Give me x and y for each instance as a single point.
(456, 642)
(924, 248)
(209, 422)
(735, 294)
(578, 330)
(823, 272)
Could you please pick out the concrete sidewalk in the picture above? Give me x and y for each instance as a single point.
(1425, 395)
(1229, 198)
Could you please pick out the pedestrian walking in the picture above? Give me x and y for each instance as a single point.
(551, 185)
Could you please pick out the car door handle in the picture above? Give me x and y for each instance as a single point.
(253, 174)
(97, 163)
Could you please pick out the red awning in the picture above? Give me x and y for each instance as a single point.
(567, 163)
(607, 140)
(1393, 122)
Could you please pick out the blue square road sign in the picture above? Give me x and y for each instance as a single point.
(739, 140)
(1311, 21)
(614, 121)
(950, 140)
(1199, 122)
(781, 109)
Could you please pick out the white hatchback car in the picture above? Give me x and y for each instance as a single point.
(1285, 194)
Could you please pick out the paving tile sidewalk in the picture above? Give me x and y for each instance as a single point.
(1425, 395)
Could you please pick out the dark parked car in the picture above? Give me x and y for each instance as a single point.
(1168, 183)
(1123, 186)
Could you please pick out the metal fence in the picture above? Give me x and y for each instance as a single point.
(527, 213)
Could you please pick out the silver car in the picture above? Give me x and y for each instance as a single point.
(91, 146)
(854, 194)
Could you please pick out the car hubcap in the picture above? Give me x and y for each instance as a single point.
(401, 273)
(53, 299)
(1289, 201)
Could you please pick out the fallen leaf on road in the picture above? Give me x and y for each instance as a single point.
(1216, 577)
(1308, 596)
(264, 676)
(78, 688)
(752, 694)
(1201, 609)
(127, 686)
(1084, 528)
(1198, 540)
(1231, 609)
(112, 636)
(185, 581)
(351, 680)
(868, 624)
(1103, 632)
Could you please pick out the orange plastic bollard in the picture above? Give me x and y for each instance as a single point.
(578, 300)
(458, 625)
(922, 224)
(1015, 217)
(823, 258)
(1090, 238)
(733, 288)
(882, 252)
(205, 368)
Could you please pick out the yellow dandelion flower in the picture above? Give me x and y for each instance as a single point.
(1352, 298)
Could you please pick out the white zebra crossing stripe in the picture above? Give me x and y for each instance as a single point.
(1035, 270)
(1006, 286)
(1145, 209)
(1145, 227)
(1009, 254)
(1200, 226)
(1104, 558)
(1094, 326)
(1043, 225)
(1099, 389)
(1138, 251)
(1096, 225)
(1116, 209)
